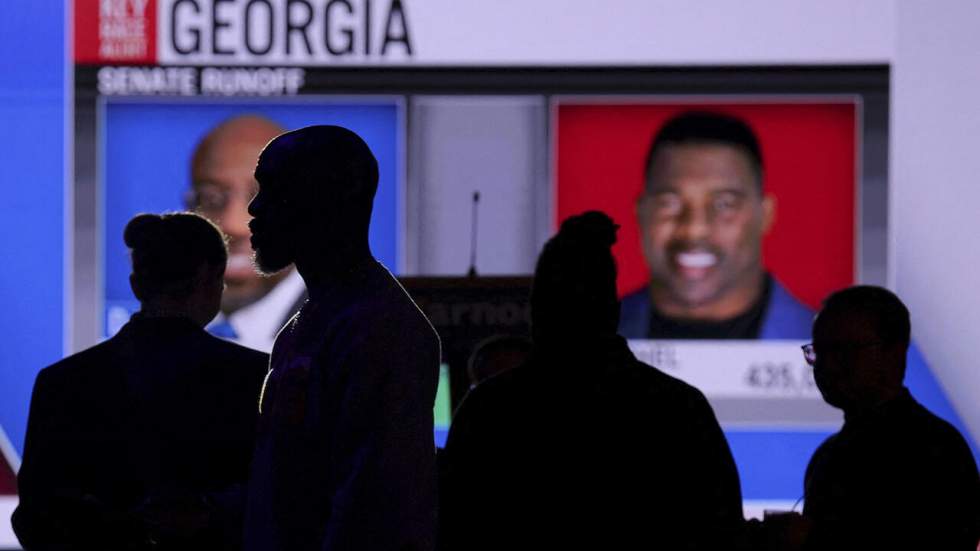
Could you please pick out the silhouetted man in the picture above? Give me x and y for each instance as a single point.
(702, 217)
(584, 446)
(346, 455)
(895, 476)
(254, 307)
(144, 441)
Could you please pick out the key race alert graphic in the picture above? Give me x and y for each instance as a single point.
(115, 31)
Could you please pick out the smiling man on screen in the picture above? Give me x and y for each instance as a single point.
(702, 217)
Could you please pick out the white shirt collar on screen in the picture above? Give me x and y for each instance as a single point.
(258, 323)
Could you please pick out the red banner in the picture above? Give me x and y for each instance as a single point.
(115, 32)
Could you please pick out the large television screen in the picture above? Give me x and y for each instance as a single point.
(537, 131)
(537, 150)
(536, 145)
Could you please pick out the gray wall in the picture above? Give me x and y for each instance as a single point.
(496, 145)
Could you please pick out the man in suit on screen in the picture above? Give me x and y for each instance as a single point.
(702, 216)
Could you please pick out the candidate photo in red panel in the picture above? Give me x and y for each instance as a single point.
(736, 218)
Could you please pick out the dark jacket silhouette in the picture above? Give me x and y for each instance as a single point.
(162, 411)
(896, 478)
(584, 446)
(592, 447)
(346, 455)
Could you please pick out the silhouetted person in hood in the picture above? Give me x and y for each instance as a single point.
(346, 454)
(143, 441)
(584, 446)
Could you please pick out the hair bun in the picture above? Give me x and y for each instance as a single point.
(169, 250)
(143, 230)
(592, 227)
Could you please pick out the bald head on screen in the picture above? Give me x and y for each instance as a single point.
(222, 184)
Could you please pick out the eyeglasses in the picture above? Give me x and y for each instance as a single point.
(809, 353)
(211, 198)
(841, 348)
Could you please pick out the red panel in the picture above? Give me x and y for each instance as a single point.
(86, 13)
(115, 32)
(8, 481)
(809, 152)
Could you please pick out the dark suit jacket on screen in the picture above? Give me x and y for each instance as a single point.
(785, 316)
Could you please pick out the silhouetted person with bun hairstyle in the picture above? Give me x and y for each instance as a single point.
(143, 441)
(346, 453)
(895, 476)
(584, 446)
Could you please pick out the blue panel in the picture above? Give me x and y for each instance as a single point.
(441, 435)
(32, 110)
(771, 464)
(147, 152)
(924, 388)
(32, 36)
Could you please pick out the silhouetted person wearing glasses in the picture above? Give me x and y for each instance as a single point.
(143, 441)
(895, 476)
(584, 446)
(346, 453)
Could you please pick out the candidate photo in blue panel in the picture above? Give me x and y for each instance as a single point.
(168, 155)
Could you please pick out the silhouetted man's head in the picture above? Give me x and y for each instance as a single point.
(574, 292)
(221, 187)
(702, 217)
(178, 264)
(316, 191)
(860, 340)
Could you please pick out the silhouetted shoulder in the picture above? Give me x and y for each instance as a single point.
(386, 309)
(944, 441)
(493, 410)
(84, 366)
(497, 401)
(491, 388)
(236, 353)
(181, 341)
(911, 438)
(827, 444)
(816, 460)
(396, 296)
(69, 365)
(654, 380)
(160, 342)
(633, 381)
